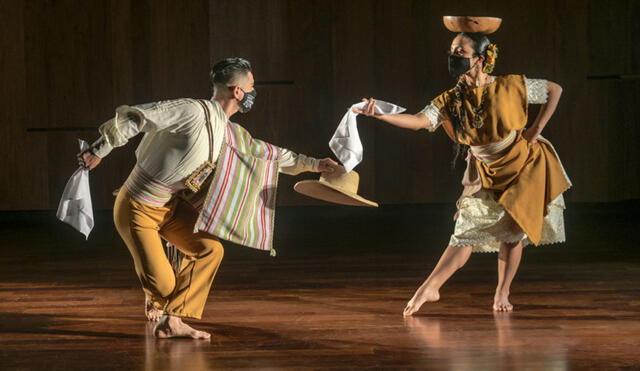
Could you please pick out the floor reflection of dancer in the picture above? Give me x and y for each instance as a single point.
(514, 179)
(487, 344)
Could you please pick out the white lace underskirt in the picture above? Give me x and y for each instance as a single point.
(483, 224)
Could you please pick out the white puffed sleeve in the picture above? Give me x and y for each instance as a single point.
(129, 121)
(537, 91)
(434, 115)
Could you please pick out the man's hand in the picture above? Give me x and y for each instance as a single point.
(88, 160)
(327, 165)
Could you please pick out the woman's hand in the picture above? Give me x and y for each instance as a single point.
(530, 135)
(369, 109)
(88, 160)
(327, 165)
(401, 120)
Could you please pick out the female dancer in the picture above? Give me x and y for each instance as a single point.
(514, 180)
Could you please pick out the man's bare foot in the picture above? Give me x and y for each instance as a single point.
(153, 314)
(501, 302)
(173, 327)
(422, 295)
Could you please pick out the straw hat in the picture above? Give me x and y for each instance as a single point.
(485, 25)
(338, 187)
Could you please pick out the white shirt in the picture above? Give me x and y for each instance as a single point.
(176, 139)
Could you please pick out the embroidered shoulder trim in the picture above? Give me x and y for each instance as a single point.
(434, 115)
(537, 91)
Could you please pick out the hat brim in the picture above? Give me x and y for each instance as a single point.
(483, 25)
(327, 192)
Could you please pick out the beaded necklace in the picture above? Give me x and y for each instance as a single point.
(458, 107)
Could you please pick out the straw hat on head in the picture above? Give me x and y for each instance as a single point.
(338, 187)
(484, 25)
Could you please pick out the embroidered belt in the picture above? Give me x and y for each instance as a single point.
(146, 190)
(493, 151)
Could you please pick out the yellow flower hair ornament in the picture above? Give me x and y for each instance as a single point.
(490, 61)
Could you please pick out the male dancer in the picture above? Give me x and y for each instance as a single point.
(182, 142)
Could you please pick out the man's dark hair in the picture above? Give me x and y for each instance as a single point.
(225, 71)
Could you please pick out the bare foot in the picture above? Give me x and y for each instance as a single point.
(173, 327)
(422, 295)
(501, 302)
(153, 314)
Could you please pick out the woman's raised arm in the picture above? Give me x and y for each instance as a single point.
(401, 120)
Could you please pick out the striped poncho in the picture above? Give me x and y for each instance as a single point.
(240, 203)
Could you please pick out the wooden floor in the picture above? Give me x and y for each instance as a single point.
(331, 299)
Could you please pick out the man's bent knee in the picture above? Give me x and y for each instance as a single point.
(211, 251)
(162, 286)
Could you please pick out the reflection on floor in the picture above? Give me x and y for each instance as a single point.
(330, 299)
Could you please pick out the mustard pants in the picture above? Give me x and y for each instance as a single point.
(141, 226)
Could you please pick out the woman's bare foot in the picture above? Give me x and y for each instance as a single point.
(423, 294)
(173, 327)
(153, 314)
(501, 302)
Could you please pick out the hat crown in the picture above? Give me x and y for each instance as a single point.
(345, 181)
(339, 186)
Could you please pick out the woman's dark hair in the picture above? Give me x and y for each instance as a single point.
(227, 69)
(480, 44)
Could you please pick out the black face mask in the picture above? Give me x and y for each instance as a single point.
(458, 65)
(247, 101)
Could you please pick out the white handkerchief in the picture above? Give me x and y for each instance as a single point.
(75, 206)
(345, 142)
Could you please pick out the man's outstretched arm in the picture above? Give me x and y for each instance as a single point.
(294, 164)
(129, 121)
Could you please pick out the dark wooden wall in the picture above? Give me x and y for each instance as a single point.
(67, 64)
